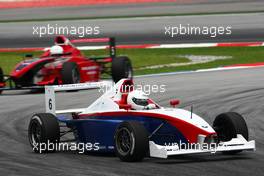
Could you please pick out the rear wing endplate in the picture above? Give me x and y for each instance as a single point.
(50, 99)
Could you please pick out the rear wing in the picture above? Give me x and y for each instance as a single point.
(50, 98)
(111, 42)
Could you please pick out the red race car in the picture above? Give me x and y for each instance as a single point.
(63, 63)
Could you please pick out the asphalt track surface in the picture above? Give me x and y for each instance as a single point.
(136, 9)
(245, 27)
(210, 93)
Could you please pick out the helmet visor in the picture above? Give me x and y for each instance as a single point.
(140, 102)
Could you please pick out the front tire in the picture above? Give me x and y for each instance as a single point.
(121, 68)
(131, 141)
(70, 73)
(228, 125)
(43, 130)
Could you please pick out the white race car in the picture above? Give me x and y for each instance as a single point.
(127, 122)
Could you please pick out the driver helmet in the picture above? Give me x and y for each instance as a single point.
(56, 50)
(137, 99)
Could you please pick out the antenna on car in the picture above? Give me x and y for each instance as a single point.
(191, 111)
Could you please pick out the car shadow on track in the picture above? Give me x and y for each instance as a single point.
(20, 92)
(184, 159)
(96, 154)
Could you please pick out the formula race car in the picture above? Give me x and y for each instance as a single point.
(127, 122)
(63, 63)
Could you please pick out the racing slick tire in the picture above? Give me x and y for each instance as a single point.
(121, 68)
(1, 78)
(70, 73)
(43, 132)
(228, 125)
(131, 141)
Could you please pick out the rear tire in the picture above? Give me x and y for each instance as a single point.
(228, 125)
(70, 73)
(121, 68)
(43, 130)
(131, 141)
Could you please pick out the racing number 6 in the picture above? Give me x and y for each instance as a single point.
(50, 104)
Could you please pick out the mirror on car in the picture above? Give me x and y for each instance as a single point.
(174, 102)
(28, 55)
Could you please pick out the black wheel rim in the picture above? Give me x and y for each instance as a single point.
(128, 71)
(35, 133)
(38, 77)
(124, 141)
(75, 76)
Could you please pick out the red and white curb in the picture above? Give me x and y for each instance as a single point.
(149, 46)
(204, 45)
(225, 68)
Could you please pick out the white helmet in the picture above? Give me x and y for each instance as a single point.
(137, 99)
(55, 50)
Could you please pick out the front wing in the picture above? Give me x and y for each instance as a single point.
(238, 143)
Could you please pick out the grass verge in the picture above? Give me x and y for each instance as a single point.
(149, 57)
